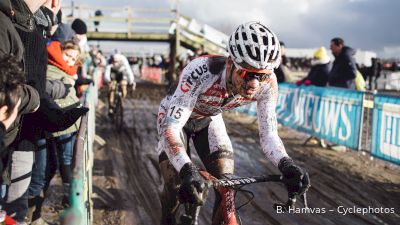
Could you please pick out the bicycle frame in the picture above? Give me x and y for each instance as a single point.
(118, 107)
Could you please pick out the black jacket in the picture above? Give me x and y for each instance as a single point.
(344, 69)
(29, 102)
(318, 74)
(10, 42)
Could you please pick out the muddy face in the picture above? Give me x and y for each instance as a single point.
(246, 85)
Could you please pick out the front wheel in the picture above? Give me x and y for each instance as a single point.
(119, 114)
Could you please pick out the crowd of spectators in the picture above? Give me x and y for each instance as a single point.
(44, 64)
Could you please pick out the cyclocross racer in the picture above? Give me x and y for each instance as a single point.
(208, 86)
(118, 71)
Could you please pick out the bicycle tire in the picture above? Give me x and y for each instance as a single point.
(119, 114)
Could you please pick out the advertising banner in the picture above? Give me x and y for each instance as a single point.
(385, 141)
(333, 114)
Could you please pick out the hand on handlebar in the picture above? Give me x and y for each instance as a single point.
(193, 186)
(295, 178)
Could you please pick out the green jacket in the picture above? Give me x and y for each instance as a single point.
(68, 102)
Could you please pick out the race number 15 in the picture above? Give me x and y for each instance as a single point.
(176, 113)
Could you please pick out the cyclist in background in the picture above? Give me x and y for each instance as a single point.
(118, 71)
(208, 86)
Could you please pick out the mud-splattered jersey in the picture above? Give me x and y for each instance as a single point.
(202, 92)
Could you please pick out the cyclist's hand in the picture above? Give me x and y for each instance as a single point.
(295, 178)
(193, 185)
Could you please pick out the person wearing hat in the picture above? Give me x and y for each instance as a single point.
(320, 67)
(80, 29)
(79, 26)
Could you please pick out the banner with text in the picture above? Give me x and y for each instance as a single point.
(385, 141)
(332, 114)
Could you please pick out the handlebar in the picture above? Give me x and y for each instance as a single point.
(240, 181)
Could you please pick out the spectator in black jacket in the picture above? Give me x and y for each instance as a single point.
(11, 84)
(320, 67)
(344, 68)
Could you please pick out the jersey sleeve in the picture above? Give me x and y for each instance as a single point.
(128, 70)
(179, 109)
(271, 143)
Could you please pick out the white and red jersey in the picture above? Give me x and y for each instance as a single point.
(202, 92)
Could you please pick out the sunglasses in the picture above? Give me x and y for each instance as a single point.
(260, 75)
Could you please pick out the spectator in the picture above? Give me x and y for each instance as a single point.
(27, 102)
(65, 56)
(344, 68)
(80, 29)
(375, 73)
(11, 83)
(320, 68)
(33, 30)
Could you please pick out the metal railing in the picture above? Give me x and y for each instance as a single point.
(80, 211)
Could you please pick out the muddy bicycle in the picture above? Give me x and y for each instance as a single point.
(118, 108)
(226, 213)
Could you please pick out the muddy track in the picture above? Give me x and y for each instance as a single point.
(338, 178)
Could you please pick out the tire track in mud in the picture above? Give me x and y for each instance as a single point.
(140, 138)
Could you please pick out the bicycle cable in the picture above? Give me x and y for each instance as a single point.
(239, 189)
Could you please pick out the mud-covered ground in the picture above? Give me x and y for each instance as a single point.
(127, 184)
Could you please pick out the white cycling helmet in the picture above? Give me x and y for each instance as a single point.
(255, 45)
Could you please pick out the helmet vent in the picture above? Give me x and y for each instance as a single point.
(237, 36)
(240, 50)
(257, 51)
(273, 40)
(254, 36)
(244, 36)
(265, 40)
(231, 48)
(262, 29)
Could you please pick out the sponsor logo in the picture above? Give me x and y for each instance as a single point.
(190, 79)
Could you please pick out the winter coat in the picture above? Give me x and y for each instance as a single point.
(318, 74)
(58, 69)
(68, 102)
(10, 42)
(343, 72)
(57, 89)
